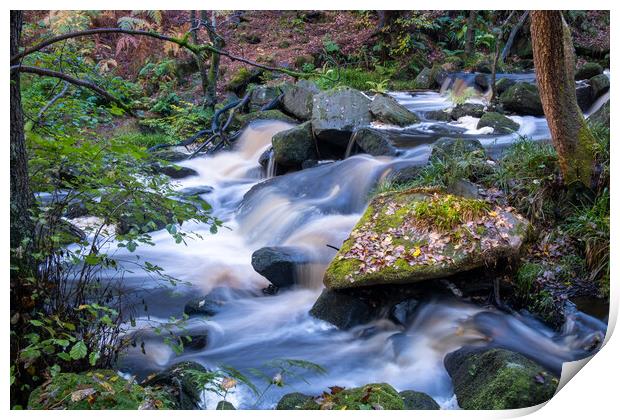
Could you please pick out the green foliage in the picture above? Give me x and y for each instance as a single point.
(181, 120)
(378, 87)
(459, 97)
(447, 211)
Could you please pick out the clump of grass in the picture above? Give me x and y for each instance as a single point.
(590, 227)
(445, 212)
(526, 278)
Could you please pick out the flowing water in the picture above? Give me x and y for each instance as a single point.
(314, 208)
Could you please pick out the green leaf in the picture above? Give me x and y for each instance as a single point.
(36, 323)
(93, 357)
(78, 350)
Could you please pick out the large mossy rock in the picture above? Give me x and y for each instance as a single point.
(422, 234)
(293, 147)
(241, 120)
(523, 99)
(600, 85)
(95, 390)
(374, 142)
(430, 78)
(297, 99)
(414, 400)
(337, 113)
(588, 70)
(386, 109)
(279, 264)
(447, 147)
(498, 379)
(242, 78)
(503, 84)
(379, 396)
(297, 401)
(467, 110)
(500, 123)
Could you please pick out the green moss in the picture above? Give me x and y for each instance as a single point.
(297, 401)
(445, 212)
(95, 390)
(368, 397)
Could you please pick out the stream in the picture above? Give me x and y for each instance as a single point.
(311, 209)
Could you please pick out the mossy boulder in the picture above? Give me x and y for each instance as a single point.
(297, 401)
(423, 234)
(241, 120)
(498, 379)
(379, 396)
(503, 84)
(293, 147)
(414, 400)
(297, 99)
(263, 95)
(600, 85)
(430, 78)
(96, 390)
(386, 109)
(500, 123)
(447, 147)
(467, 110)
(588, 70)
(336, 113)
(242, 78)
(523, 99)
(374, 142)
(438, 115)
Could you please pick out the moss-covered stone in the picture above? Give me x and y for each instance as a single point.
(588, 70)
(225, 405)
(242, 78)
(414, 400)
(467, 110)
(522, 98)
(297, 401)
(372, 396)
(241, 120)
(386, 109)
(422, 234)
(600, 85)
(499, 123)
(498, 379)
(96, 390)
(293, 147)
(447, 147)
(503, 84)
(374, 142)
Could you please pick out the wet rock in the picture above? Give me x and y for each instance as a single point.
(297, 99)
(403, 312)
(179, 381)
(503, 84)
(601, 116)
(379, 396)
(297, 401)
(467, 110)
(263, 159)
(499, 123)
(404, 175)
(430, 78)
(174, 172)
(438, 115)
(584, 92)
(600, 85)
(498, 379)
(194, 342)
(450, 147)
(523, 99)
(242, 78)
(342, 309)
(261, 96)
(225, 405)
(172, 154)
(399, 240)
(386, 109)
(241, 120)
(279, 264)
(196, 191)
(481, 82)
(588, 70)
(414, 400)
(337, 113)
(374, 142)
(293, 147)
(213, 302)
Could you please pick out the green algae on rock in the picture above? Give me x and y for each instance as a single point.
(422, 234)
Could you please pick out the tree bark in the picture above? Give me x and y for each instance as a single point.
(469, 35)
(196, 25)
(214, 69)
(513, 34)
(554, 62)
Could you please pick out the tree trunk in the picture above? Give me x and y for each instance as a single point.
(199, 58)
(469, 35)
(22, 227)
(218, 43)
(554, 62)
(513, 34)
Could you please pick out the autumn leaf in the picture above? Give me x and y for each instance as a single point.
(80, 394)
(416, 252)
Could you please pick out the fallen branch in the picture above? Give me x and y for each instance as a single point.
(53, 101)
(78, 82)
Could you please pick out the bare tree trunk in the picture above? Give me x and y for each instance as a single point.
(469, 35)
(195, 22)
(513, 33)
(218, 43)
(554, 62)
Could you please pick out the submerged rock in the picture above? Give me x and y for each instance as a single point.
(279, 264)
(422, 234)
(293, 147)
(386, 109)
(500, 123)
(297, 99)
(342, 309)
(588, 70)
(297, 401)
(337, 113)
(374, 142)
(498, 379)
(414, 400)
(523, 99)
